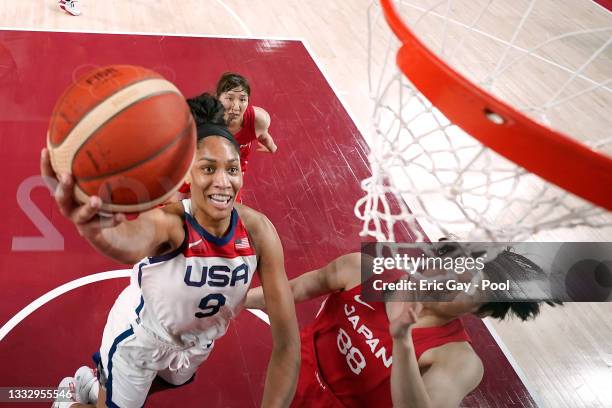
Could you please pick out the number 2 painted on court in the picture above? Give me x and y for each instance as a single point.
(210, 304)
(51, 239)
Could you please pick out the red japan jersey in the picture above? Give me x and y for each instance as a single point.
(350, 348)
(246, 135)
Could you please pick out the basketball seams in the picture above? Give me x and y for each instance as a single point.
(67, 92)
(63, 155)
(182, 133)
(134, 208)
(102, 125)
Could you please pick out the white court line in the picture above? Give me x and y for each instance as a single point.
(338, 94)
(77, 283)
(519, 371)
(261, 314)
(60, 290)
(150, 33)
(233, 13)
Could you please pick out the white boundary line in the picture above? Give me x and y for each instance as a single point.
(77, 283)
(517, 369)
(152, 33)
(336, 93)
(236, 16)
(60, 290)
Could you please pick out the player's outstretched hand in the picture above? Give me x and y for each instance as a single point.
(262, 148)
(402, 315)
(86, 216)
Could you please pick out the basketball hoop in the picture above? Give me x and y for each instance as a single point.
(497, 124)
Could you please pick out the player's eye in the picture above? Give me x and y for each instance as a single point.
(234, 170)
(208, 169)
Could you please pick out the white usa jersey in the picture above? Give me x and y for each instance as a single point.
(198, 288)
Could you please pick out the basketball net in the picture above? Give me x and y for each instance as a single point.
(541, 74)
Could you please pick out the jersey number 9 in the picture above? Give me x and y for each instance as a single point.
(210, 305)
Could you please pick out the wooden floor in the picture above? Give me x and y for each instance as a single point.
(566, 355)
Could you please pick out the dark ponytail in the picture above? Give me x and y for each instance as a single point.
(207, 113)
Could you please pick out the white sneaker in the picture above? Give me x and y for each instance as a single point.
(86, 385)
(65, 393)
(70, 7)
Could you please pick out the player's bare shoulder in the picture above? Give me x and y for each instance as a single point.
(174, 208)
(262, 118)
(257, 224)
(171, 217)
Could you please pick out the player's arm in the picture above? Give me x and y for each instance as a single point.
(407, 386)
(153, 233)
(339, 274)
(455, 375)
(284, 365)
(262, 125)
(445, 383)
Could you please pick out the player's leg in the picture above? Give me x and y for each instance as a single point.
(127, 360)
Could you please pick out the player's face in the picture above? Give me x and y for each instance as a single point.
(235, 102)
(216, 178)
(457, 302)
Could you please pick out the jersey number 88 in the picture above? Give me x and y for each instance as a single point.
(354, 357)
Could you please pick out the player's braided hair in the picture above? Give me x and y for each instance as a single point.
(207, 113)
(206, 108)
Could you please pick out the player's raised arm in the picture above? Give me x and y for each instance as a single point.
(262, 126)
(340, 274)
(154, 232)
(284, 365)
(440, 386)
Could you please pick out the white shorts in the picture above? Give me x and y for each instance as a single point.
(132, 356)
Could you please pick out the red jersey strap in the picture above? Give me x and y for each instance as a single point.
(185, 188)
(246, 134)
(425, 338)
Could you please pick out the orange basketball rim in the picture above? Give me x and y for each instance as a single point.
(546, 152)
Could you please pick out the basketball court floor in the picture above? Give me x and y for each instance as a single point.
(55, 300)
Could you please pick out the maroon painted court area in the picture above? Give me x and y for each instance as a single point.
(307, 189)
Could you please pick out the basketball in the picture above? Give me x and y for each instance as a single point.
(125, 134)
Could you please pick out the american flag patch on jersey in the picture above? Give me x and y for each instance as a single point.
(242, 243)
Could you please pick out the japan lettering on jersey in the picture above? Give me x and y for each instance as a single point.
(353, 347)
(201, 286)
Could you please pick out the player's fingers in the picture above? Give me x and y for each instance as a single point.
(111, 220)
(87, 211)
(99, 222)
(64, 195)
(413, 316)
(119, 218)
(46, 170)
(417, 307)
(400, 326)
